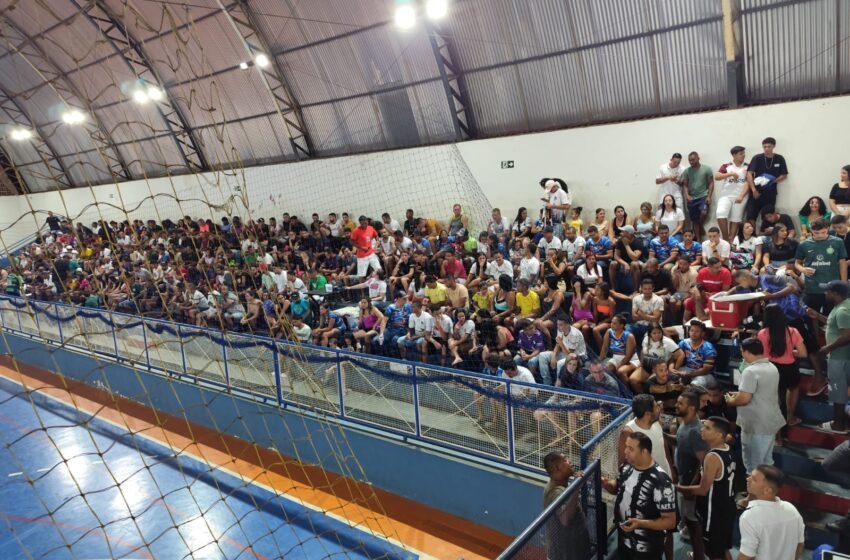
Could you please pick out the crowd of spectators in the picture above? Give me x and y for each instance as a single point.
(616, 306)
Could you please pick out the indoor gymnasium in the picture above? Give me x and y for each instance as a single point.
(424, 279)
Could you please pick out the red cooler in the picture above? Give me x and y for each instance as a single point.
(727, 312)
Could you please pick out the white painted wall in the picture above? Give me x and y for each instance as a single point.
(616, 164)
(603, 165)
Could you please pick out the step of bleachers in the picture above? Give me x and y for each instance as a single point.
(816, 530)
(817, 494)
(812, 436)
(801, 460)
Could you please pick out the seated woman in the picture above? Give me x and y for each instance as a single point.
(552, 307)
(747, 249)
(370, 325)
(618, 351)
(504, 300)
(603, 309)
(582, 308)
(477, 272)
(656, 347)
(495, 340)
(463, 337)
(329, 327)
(814, 209)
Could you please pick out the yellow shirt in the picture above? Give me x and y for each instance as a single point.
(481, 301)
(527, 304)
(458, 296)
(577, 225)
(436, 295)
(349, 225)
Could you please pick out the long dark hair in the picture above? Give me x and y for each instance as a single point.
(518, 220)
(806, 209)
(777, 329)
(661, 206)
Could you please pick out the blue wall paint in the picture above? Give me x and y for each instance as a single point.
(500, 501)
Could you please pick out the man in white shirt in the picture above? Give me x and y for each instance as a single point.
(280, 279)
(499, 266)
(498, 224)
(770, 528)
(513, 372)
(647, 308)
(734, 194)
(529, 266)
(667, 179)
(419, 328)
(572, 245)
(548, 241)
(558, 202)
(390, 223)
(568, 340)
(716, 246)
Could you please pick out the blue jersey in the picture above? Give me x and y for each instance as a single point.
(692, 253)
(617, 345)
(663, 250)
(598, 247)
(397, 319)
(696, 358)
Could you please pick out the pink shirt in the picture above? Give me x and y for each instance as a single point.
(792, 339)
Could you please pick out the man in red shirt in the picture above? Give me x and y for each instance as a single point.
(361, 239)
(711, 279)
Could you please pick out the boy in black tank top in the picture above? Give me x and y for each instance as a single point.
(715, 495)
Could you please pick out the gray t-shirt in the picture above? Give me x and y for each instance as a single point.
(689, 442)
(762, 415)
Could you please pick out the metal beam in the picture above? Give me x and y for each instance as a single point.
(242, 20)
(134, 55)
(453, 82)
(48, 71)
(9, 175)
(733, 49)
(19, 117)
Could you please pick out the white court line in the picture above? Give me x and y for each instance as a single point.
(239, 476)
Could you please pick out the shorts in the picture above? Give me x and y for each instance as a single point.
(719, 539)
(789, 375)
(364, 263)
(415, 342)
(617, 359)
(728, 209)
(838, 375)
(757, 449)
(697, 209)
(688, 508)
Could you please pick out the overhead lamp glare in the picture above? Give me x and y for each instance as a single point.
(73, 116)
(405, 16)
(261, 60)
(243, 65)
(154, 93)
(21, 134)
(140, 96)
(436, 9)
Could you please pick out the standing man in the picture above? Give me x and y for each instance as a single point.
(821, 259)
(698, 183)
(770, 528)
(558, 202)
(362, 238)
(838, 349)
(759, 415)
(567, 535)
(690, 452)
(764, 173)
(645, 507)
(667, 179)
(715, 497)
(734, 193)
(647, 413)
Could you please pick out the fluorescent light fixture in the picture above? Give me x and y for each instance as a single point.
(154, 93)
(436, 9)
(140, 96)
(73, 116)
(21, 134)
(243, 65)
(405, 16)
(261, 60)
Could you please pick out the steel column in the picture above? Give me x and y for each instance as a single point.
(453, 82)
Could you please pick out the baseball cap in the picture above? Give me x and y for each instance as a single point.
(838, 287)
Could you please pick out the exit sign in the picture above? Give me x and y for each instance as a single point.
(508, 164)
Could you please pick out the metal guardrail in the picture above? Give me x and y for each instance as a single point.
(481, 416)
(573, 526)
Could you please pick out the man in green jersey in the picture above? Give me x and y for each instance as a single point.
(698, 184)
(838, 349)
(820, 259)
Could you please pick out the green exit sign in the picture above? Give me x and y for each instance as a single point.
(508, 164)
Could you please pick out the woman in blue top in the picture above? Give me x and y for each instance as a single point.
(618, 346)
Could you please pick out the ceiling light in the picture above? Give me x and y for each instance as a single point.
(436, 9)
(261, 60)
(140, 96)
(243, 65)
(405, 16)
(73, 116)
(21, 134)
(154, 93)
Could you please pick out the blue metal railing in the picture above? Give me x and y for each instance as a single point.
(420, 397)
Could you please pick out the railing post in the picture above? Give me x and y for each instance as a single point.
(416, 401)
(510, 418)
(145, 342)
(276, 361)
(59, 324)
(339, 384)
(601, 515)
(33, 308)
(224, 357)
(182, 348)
(114, 337)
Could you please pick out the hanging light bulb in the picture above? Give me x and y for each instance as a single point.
(405, 16)
(21, 134)
(261, 60)
(73, 116)
(436, 9)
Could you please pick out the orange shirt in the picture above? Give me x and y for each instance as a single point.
(362, 238)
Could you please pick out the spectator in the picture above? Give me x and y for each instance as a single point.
(527, 301)
(747, 249)
(567, 535)
(696, 363)
(715, 499)
(664, 248)
(698, 184)
(691, 248)
(568, 342)
(627, 254)
(645, 507)
(370, 325)
(667, 179)
(647, 413)
(440, 334)
(715, 246)
(814, 209)
(770, 218)
(619, 350)
(463, 338)
(759, 415)
(839, 196)
(456, 293)
(521, 228)
(420, 325)
(621, 219)
(670, 214)
(529, 266)
(599, 382)
(655, 347)
(512, 372)
(838, 349)
(557, 199)
(573, 246)
(531, 345)
(770, 527)
(301, 330)
(712, 279)
(664, 386)
(599, 245)
(784, 346)
(765, 172)
(362, 238)
(662, 281)
(647, 308)
(690, 452)
(734, 194)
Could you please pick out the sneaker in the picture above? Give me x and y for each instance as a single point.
(827, 426)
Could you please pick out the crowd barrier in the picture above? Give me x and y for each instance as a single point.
(480, 416)
(573, 526)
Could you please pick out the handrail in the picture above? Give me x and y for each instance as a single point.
(49, 317)
(594, 470)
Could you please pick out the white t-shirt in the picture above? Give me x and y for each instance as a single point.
(647, 306)
(573, 340)
(466, 329)
(521, 227)
(559, 197)
(669, 187)
(544, 245)
(571, 248)
(446, 324)
(335, 228)
(299, 286)
(723, 248)
(658, 350)
(732, 186)
(420, 324)
(748, 245)
(529, 268)
(499, 227)
(494, 270)
(279, 281)
(393, 226)
(592, 276)
(771, 529)
(670, 219)
(523, 375)
(377, 288)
